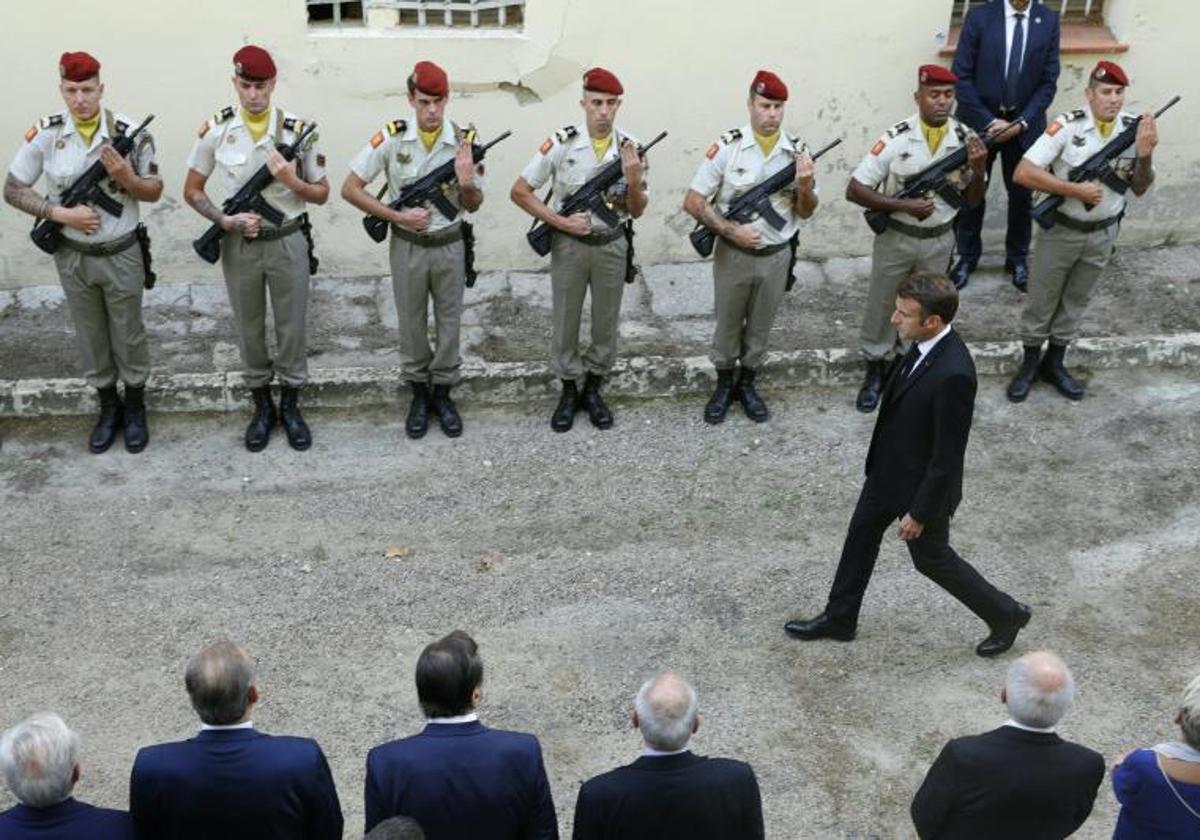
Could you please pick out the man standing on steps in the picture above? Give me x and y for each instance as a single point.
(587, 254)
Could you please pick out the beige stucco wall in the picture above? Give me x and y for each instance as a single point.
(851, 66)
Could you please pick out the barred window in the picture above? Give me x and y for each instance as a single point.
(454, 15)
(1071, 11)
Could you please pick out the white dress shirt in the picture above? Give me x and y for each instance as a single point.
(1010, 25)
(923, 347)
(1015, 725)
(207, 727)
(469, 717)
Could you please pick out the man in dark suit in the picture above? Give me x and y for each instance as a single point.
(1007, 67)
(914, 474)
(40, 761)
(669, 791)
(232, 781)
(1020, 780)
(458, 778)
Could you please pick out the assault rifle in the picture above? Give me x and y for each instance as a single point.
(589, 197)
(86, 190)
(428, 188)
(753, 204)
(1098, 167)
(249, 199)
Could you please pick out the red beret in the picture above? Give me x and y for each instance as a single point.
(602, 81)
(254, 64)
(77, 66)
(769, 85)
(1110, 74)
(430, 79)
(935, 74)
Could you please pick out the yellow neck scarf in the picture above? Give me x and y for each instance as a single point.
(258, 124)
(766, 142)
(87, 128)
(934, 135)
(428, 138)
(1105, 128)
(600, 147)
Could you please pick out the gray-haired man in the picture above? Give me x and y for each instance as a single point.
(1021, 780)
(669, 791)
(40, 761)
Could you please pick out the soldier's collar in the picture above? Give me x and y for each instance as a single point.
(747, 137)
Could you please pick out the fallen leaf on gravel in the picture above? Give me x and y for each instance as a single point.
(397, 552)
(487, 562)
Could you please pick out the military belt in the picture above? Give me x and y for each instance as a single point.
(266, 234)
(445, 236)
(602, 238)
(765, 251)
(1085, 227)
(102, 249)
(919, 232)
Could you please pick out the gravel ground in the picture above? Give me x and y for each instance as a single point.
(583, 563)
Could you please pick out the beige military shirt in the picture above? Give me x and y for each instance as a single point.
(567, 160)
(397, 150)
(55, 148)
(735, 163)
(225, 145)
(902, 152)
(1070, 140)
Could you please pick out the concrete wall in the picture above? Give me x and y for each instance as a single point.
(850, 64)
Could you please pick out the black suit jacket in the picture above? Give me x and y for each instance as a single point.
(234, 783)
(1008, 783)
(682, 795)
(920, 437)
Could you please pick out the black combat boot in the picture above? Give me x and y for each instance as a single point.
(751, 402)
(417, 422)
(109, 421)
(872, 387)
(564, 413)
(446, 411)
(1054, 372)
(722, 396)
(1018, 389)
(298, 435)
(137, 434)
(258, 433)
(593, 403)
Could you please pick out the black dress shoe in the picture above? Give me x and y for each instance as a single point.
(258, 432)
(112, 413)
(821, 627)
(563, 417)
(960, 274)
(417, 421)
(1020, 275)
(593, 403)
(446, 411)
(1002, 638)
(872, 387)
(298, 435)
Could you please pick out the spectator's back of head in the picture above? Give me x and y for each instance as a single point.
(449, 672)
(1039, 690)
(666, 708)
(220, 683)
(1189, 714)
(396, 828)
(40, 757)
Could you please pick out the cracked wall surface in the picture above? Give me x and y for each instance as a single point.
(850, 65)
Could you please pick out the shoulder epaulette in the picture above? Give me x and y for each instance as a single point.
(467, 132)
(794, 139)
(565, 134)
(1077, 114)
(51, 121)
(731, 136)
(223, 115)
(960, 131)
(397, 126)
(294, 125)
(898, 129)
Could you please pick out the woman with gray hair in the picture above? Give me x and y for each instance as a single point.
(1159, 788)
(40, 761)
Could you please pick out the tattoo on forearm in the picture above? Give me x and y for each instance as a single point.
(204, 206)
(25, 198)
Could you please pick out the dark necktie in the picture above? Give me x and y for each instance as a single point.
(910, 361)
(1014, 63)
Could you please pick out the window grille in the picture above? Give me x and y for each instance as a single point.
(1071, 11)
(419, 14)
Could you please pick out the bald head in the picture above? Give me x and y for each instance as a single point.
(666, 712)
(220, 683)
(1039, 690)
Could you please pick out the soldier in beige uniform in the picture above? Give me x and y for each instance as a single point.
(99, 263)
(751, 262)
(256, 257)
(1069, 257)
(428, 256)
(920, 234)
(586, 253)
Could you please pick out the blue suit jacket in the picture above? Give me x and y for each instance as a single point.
(234, 783)
(463, 780)
(979, 61)
(68, 820)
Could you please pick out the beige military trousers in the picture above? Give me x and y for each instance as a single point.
(253, 268)
(895, 257)
(421, 272)
(104, 296)
(747, 290)
(576, 267)
(1066, 265)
